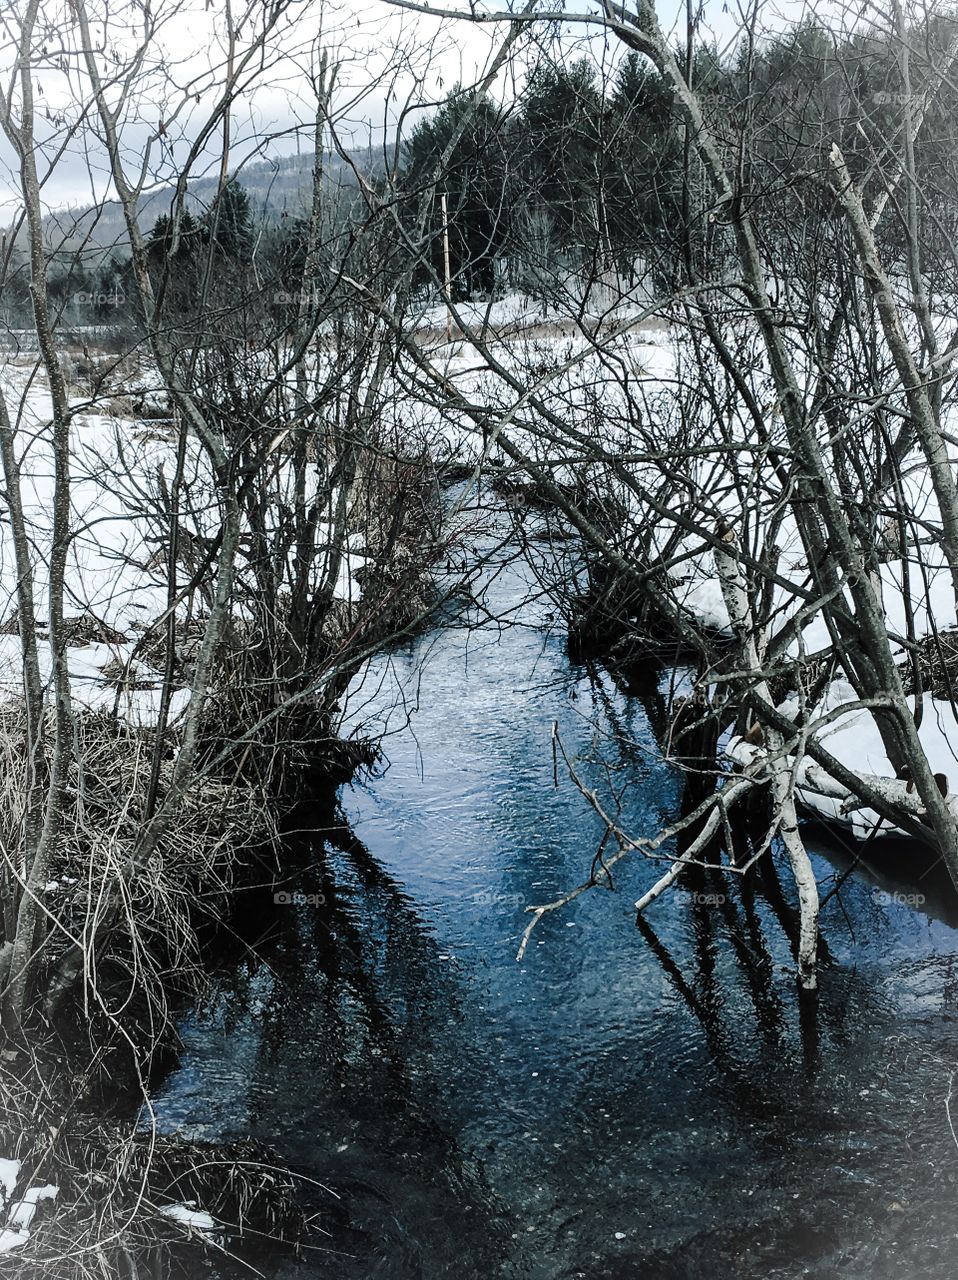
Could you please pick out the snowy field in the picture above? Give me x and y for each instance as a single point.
(116, 580)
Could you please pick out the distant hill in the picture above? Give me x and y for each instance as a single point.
(275, 187)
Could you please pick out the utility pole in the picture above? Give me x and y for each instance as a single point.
(446, 271)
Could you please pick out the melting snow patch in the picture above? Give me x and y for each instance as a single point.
(191, 1218)
(12, 1240)
(9, 1172)
(854, 739)
(23, 1211)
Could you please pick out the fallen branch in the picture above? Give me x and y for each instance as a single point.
(713, 809)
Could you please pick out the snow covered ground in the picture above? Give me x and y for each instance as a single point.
(116, 582)
(20, 1210)
(572, 404)
(625, 400)
(516, 313)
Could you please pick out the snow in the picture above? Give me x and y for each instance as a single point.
(138, 706)
(724, 475)
(703, 600)
(116, 583)
(10, 1240)
(110, 583)
(9, 1172)
(22, 1212)
(516, 312)
(193, 1219)
(636, 397)
(854, 740)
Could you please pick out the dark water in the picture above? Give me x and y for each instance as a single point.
(623, 1103)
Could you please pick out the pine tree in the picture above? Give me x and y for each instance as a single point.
(474, 182)
(229, 224)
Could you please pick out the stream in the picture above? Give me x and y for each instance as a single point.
(624, 1102)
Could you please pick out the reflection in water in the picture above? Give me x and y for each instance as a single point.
(650, 1101)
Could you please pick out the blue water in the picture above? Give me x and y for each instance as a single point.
(623, 1102)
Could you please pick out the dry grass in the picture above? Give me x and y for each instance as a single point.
(113, 1181)
(190, 870)
(80, 630)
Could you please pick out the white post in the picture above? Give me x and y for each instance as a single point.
(446, 271)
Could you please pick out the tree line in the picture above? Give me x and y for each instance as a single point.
(584, 172)
(598, 171)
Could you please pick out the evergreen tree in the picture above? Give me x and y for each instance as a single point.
(228, 223)
(644, 185)
(564, 152)
(474, 182)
